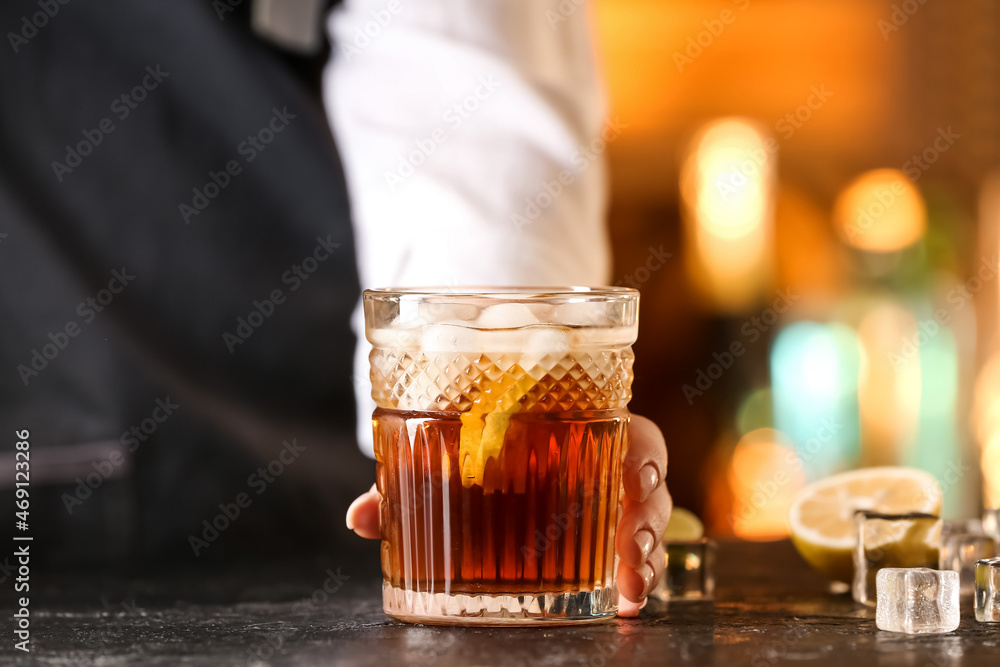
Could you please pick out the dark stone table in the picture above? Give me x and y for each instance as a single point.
(770, 610)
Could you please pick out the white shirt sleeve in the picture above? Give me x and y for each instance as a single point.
(471, 137)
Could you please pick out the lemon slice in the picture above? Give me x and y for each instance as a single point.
(683, 526)
(821, 518)
(485, 424)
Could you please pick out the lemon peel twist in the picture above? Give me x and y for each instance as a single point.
(485, 424)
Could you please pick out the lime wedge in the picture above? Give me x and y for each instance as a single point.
(683, 526)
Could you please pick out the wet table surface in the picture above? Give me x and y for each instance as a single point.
(770, 609)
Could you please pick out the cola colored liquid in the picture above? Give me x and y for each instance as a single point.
(542, 521)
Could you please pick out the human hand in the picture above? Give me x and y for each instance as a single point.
(641, 523)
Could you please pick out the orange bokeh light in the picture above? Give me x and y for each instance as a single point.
(728, 188)
(764, 475)
(881, 211)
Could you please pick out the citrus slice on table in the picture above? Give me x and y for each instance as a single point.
(683, 526)
(821, 518)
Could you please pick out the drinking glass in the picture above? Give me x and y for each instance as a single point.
(500, 432)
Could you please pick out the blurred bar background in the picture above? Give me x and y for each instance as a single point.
(824, 177)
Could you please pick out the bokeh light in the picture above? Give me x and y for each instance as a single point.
(986, 420)
(727, 186)
(814, 370)
(881, 211)
(889, 384)
(764, 475)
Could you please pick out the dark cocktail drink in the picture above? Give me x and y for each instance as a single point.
(500, 434)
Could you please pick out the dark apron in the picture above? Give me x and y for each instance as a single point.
(176, 281)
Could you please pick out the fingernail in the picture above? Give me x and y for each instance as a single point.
(649, 479)
(647, 576)
(627, 608)
(645, 541)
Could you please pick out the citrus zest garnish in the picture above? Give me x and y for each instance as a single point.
(487, 421)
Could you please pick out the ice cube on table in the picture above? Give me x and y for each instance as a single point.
(961, 551)
(916, 600)
(690, 571)
(987, 600)
(892, 540)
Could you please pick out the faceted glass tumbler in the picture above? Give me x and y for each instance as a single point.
(917, 600)
(501, 426)
(892, 540)
(960, 551)
(987, 595)
(690, 571)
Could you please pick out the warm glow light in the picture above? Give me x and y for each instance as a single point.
(889, 384)
(991, 471)
(881, 211)
(732, 169)
(986, 419)
(727, 185)
(765, 63)
(986, 394)
(764, 475)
